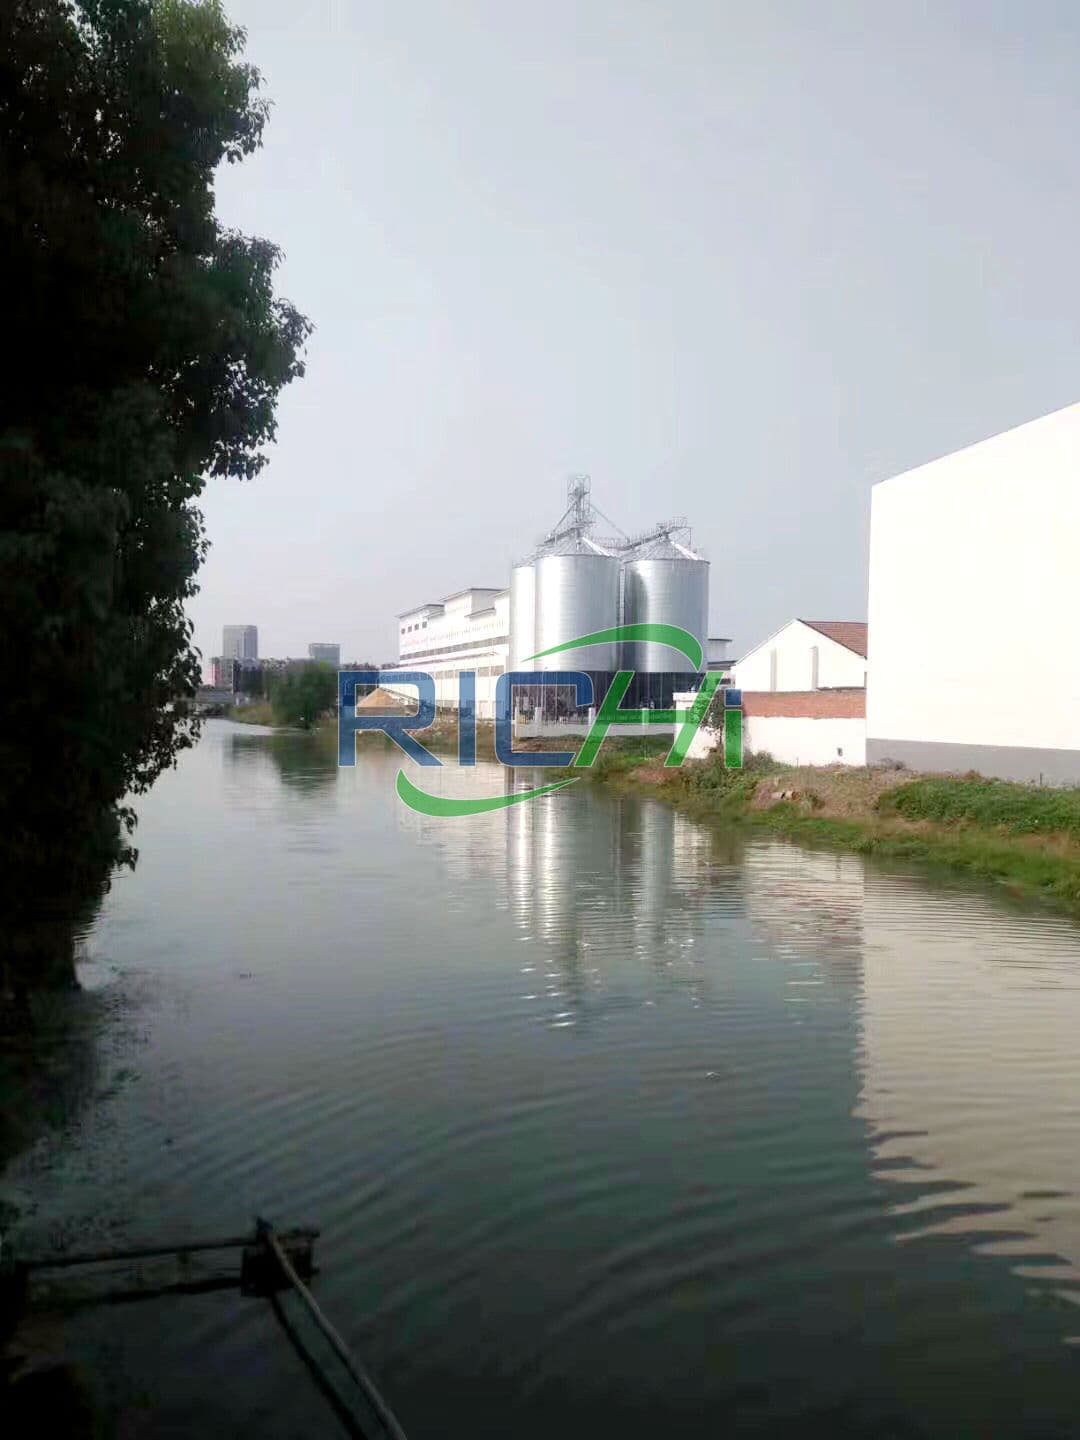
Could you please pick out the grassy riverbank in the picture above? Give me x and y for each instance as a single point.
(1023, 837)
(259, 712)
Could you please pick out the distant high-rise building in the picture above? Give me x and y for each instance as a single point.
(240, 642)
(328, 654)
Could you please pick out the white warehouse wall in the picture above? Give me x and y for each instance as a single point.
(794, 646)
(973, 607)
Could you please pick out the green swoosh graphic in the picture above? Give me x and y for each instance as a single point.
(672, 635)
(426, 804)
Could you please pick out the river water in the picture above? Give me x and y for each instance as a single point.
(609, 1120)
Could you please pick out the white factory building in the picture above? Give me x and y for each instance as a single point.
(973, 608)
(468, 630)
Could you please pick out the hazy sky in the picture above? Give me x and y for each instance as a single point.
(736, 261)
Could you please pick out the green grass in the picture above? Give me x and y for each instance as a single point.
(990, 804)
(619, 758)
(712, 789)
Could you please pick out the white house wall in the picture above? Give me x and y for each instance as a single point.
(973, 606)
(799, 740)
(794, 740)
(794, 647)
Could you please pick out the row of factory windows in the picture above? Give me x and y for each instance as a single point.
(422, 625)
(479, 634)
(487, 642)
(485, 670)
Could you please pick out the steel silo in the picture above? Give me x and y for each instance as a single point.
(577, 593)
(522, 616)
(668, 589)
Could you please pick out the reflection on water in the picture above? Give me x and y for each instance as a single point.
(970, 1075)
(610, 1120)
(612, 886)
(304, 762)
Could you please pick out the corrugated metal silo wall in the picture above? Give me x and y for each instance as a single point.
(663, 591)
(576, 595)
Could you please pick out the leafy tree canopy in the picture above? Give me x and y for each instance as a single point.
(304, 692)
(147, 349)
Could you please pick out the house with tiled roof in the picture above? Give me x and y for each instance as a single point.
(806, 655)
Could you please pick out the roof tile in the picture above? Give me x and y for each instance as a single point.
(849, 633)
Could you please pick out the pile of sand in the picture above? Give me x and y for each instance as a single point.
(385, 703)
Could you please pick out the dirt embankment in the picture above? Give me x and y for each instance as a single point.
(833, 790)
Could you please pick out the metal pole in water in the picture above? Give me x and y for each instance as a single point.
(265, 1231)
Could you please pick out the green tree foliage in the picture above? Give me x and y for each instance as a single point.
(146, 352)
(304, 692)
